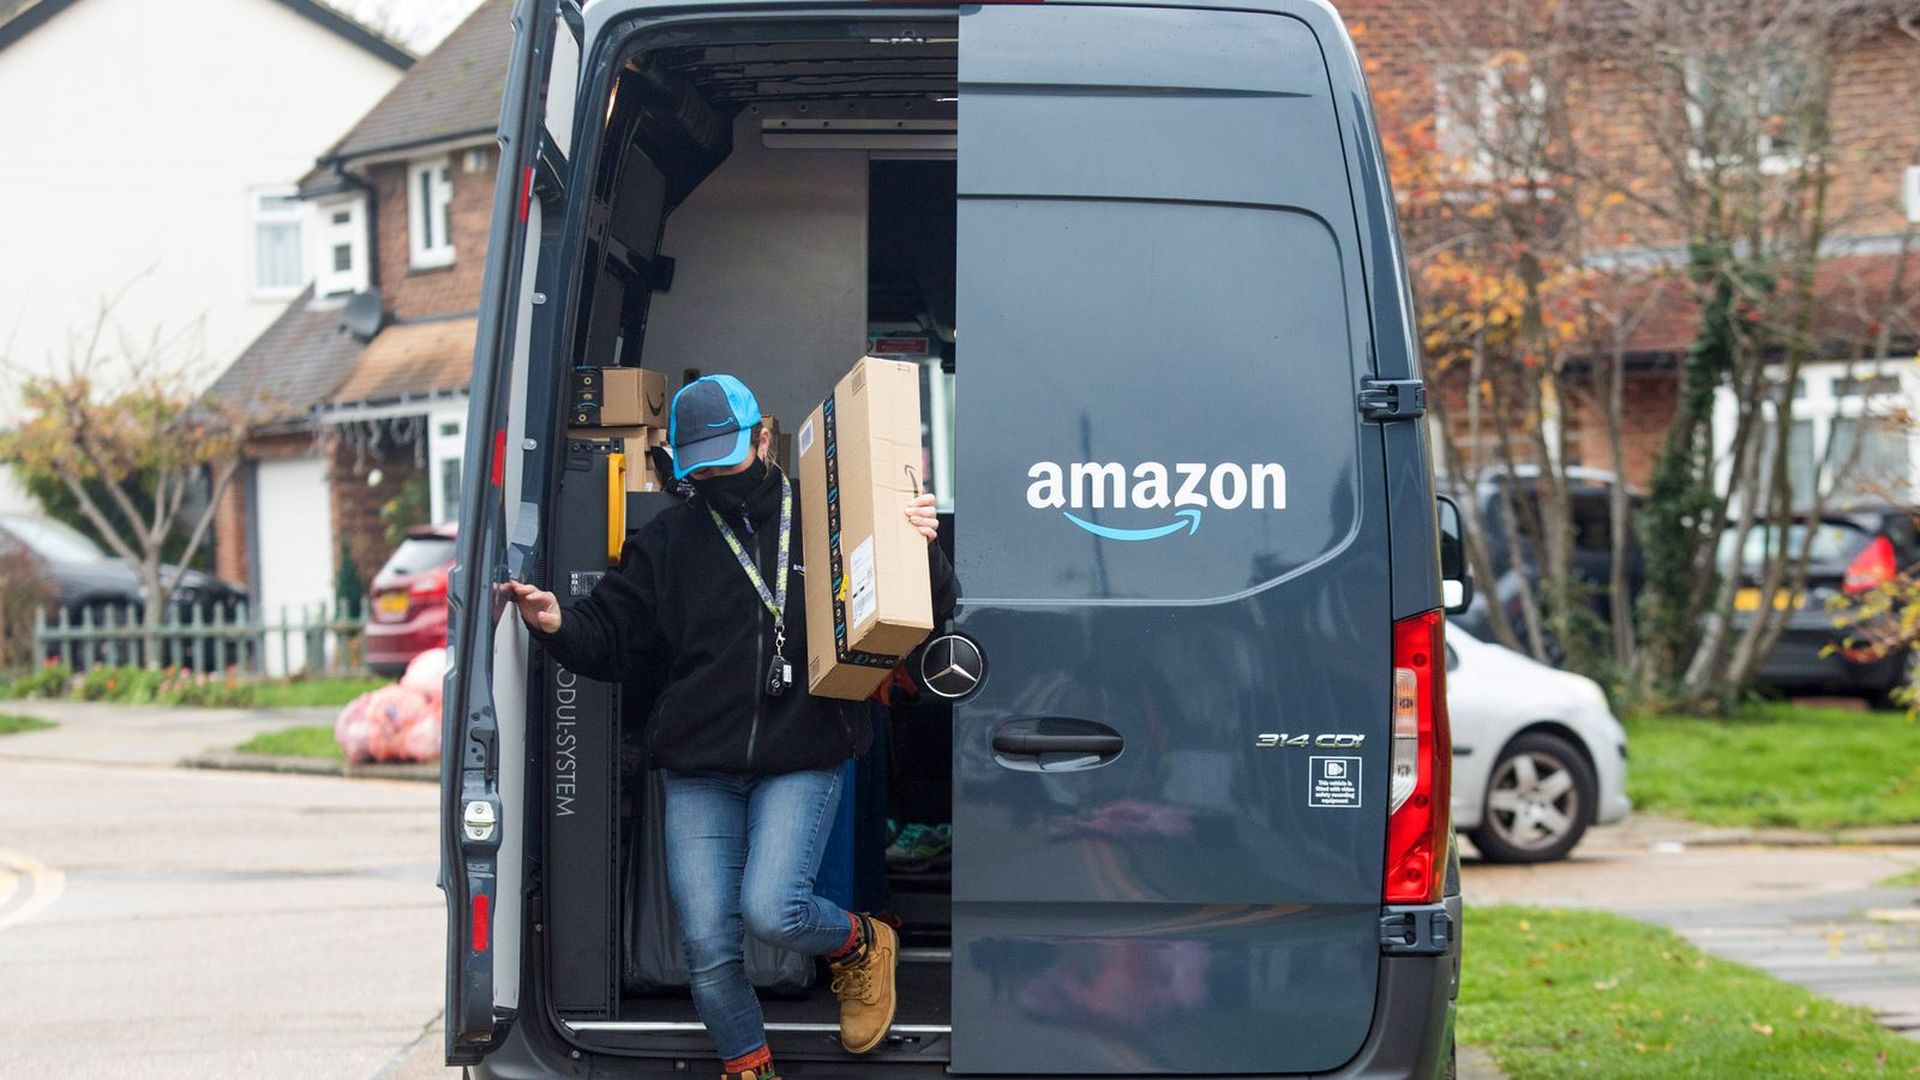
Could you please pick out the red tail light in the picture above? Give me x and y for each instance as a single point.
(481, 923)
(1872, 568)
(1421, 763)
(431, 587)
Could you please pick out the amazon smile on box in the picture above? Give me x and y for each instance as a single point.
(869, 594)
(618, 397)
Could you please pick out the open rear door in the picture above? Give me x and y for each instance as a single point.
(483, 751)
(1171, 789)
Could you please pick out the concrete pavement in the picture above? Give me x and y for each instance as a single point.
(116, 734)
(1815, 916)
(170, 923)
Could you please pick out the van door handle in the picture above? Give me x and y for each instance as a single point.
(1027, 743)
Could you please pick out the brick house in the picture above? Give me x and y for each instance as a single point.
(362, 381)
(1873, 200)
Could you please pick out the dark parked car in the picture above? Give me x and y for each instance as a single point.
(87, 577)
(407, 604)
(90, 584)
(1589, 497)
(1851, 552)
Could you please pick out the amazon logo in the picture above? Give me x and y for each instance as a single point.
(1182, 493)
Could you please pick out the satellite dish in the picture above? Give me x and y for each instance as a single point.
(364, 315)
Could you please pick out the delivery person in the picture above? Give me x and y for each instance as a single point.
(752, 762)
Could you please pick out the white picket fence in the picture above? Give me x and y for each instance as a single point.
(316, 639)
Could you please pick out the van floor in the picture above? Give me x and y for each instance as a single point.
(923, 985)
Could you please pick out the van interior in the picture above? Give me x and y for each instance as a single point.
(773, 199)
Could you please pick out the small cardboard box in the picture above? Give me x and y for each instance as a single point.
(869, 600)
(618, 397)
(635, 445)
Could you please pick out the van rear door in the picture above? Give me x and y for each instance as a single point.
(1171, 788)
(483, 756)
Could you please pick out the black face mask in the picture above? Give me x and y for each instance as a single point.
(729, 494)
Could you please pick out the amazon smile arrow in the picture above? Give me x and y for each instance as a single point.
(1191, 524)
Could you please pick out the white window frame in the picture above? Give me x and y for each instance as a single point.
(1490, 83)
(328, 235)
(277, 207)
(445, 446)
(1821, 403)
(430, 212)
(1772, 162)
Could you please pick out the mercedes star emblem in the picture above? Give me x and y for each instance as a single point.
(952, 666)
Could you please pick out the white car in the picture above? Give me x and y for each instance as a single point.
(1537, 753)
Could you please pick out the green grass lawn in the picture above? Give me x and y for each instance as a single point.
(327, 691)
(1556, 993)
(13, 724)
(314, 741)
(1779, 764)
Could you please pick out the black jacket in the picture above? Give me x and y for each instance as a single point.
(681, 598)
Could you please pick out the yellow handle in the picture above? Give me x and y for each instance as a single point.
(616, 507)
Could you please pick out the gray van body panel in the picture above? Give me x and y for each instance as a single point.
(1410, 1037)
(1160, 268)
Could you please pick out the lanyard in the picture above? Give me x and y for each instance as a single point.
(776, 601)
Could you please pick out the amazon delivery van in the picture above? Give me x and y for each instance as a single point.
(1186, 733)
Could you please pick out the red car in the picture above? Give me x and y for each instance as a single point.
(407, 608)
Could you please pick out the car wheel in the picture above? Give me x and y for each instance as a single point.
(1882, 700)
(1539, 801)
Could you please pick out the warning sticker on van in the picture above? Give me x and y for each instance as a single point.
(1333, 781)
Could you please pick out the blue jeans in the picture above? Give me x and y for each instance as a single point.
(742, 854)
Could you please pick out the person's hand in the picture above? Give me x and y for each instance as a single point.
(538, 608)
(921, 515)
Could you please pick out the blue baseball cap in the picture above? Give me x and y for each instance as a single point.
(711, 424)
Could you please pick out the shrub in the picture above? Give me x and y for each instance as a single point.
(23, 591)
(131, 685)
(52, 681)
(207, 690)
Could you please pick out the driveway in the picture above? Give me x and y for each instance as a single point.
(1812, 915)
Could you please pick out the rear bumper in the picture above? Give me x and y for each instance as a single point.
(394, 644)
(1810, 659)
(1411, 1036)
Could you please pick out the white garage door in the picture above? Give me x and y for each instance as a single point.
(296, 550)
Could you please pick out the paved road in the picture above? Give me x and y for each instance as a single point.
(157, 922)
(1815, 916)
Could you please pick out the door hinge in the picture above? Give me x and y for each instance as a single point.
(1423, 930)
(1382, 400)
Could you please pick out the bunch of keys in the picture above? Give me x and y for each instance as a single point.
(780, 674)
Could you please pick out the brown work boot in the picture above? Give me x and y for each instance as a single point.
(864, 984)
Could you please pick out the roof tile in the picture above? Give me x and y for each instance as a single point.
(453, 91)
(294, 365)
(412, 360)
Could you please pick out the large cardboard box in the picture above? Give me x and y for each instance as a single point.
(618, 397)
(869, 601)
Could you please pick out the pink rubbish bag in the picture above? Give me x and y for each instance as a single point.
(395, 710)
(353, 730)
(421, 740)
(426, 671)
